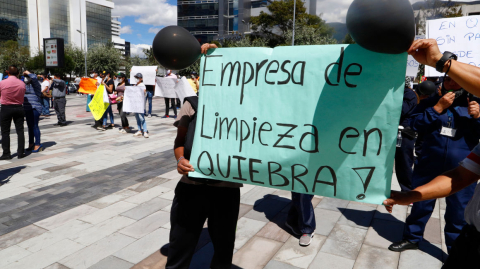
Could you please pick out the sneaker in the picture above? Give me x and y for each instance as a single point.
(149, 115)
(306, 239)
(403, 245)
(146, 135)
(100, 128)
(295, 231)
(122, 131)
(166, 116)
(138, 134)
(5, 157)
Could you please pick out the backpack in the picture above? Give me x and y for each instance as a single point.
(193, 100)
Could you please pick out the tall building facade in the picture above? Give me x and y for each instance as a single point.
(212, 19)
(78, 22)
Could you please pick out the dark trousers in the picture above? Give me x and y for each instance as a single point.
(33, 116)
(59, 104)
(465, 252)
(404, 162)
(192, 205)
(178, 102)
(454, 215)
(123, 115)
(301, 213)
(17, 114)
(167, 106)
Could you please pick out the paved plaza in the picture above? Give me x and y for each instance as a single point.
(101, 200)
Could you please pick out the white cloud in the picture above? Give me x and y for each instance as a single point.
(136, 50)
(150, 12)
(154, 30)
(126, 30)
(336, 10)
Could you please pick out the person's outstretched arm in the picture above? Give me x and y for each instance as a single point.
(426, 51)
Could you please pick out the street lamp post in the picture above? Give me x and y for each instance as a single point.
(85, 50)
(293, 30)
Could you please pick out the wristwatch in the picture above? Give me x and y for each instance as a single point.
(447, 55)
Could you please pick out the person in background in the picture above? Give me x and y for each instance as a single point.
(301, 218)
(46, 95)
(193, 81)
(450, 126)
(12, 93)
(33, 108)
(77, 85)
(120, 92)
(148, 99)
(95, 76)
(60, 102)
(168, 100)
(142, 124)
(110, 87)
(50, 79)
(404, 154)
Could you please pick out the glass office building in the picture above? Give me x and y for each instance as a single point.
(99, 24)
(14, 21)
(59, 20)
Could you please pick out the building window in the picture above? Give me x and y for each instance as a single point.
(14, 21)
(99, 24)
(60, 20)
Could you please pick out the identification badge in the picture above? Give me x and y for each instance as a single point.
(446, 131)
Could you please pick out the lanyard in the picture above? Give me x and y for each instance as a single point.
(450, 118)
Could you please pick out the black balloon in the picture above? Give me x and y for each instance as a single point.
(385, 26)
(175, 48)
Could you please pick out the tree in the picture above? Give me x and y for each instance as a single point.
(104, 57)
(275, 25)
(78, 58)
(12, 53)
(436, 9)
(348, 39)
(308, 35)
(36, 63)
(133, 61)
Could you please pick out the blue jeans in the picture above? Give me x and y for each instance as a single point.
(105, 115)
(142, 124)
(33, 117)
(301, 213)
(46, 106)
(89, 99)
(149, 99)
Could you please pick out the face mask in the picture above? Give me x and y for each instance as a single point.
(92, 75)
(26, 80)
(457, 93)
(135, 80)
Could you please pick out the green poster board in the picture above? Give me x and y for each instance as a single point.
(311, 119)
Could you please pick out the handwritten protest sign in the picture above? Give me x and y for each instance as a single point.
(183, 89)
(166, 87)
(87, 85)
(310, 119)
(412, 64)
(98, 106)
(173, 88)
(134, 100)
(148, 72)
(458, 35)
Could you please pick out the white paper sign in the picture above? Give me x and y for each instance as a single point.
(134, 99)
(166, 87)
(183, 89)
(105, 96)
(412, 64)
(458, 35)
(148, 72)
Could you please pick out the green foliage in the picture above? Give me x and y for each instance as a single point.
(194, 67)
(348, 39)
(11, 53)
(78, 57)
(73, 57)
(275, 25)
(104, 57)
(239, 41)
(307, 35)
(134, 61)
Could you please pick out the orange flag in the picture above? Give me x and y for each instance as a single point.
(88, 85)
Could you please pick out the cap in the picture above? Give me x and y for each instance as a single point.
(169, 71)
(139, 75)
(193, 73)
(426, 88)
(121, 75)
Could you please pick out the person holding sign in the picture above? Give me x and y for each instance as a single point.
(193, 81)
(167, 100)
(197, 200)
(110, 87)
(120, 92)
(142, 124)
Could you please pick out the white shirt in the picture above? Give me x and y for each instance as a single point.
(172, 75)
(45, 84)
(141, 85)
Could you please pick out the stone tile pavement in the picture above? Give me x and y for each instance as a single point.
(102, 200)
